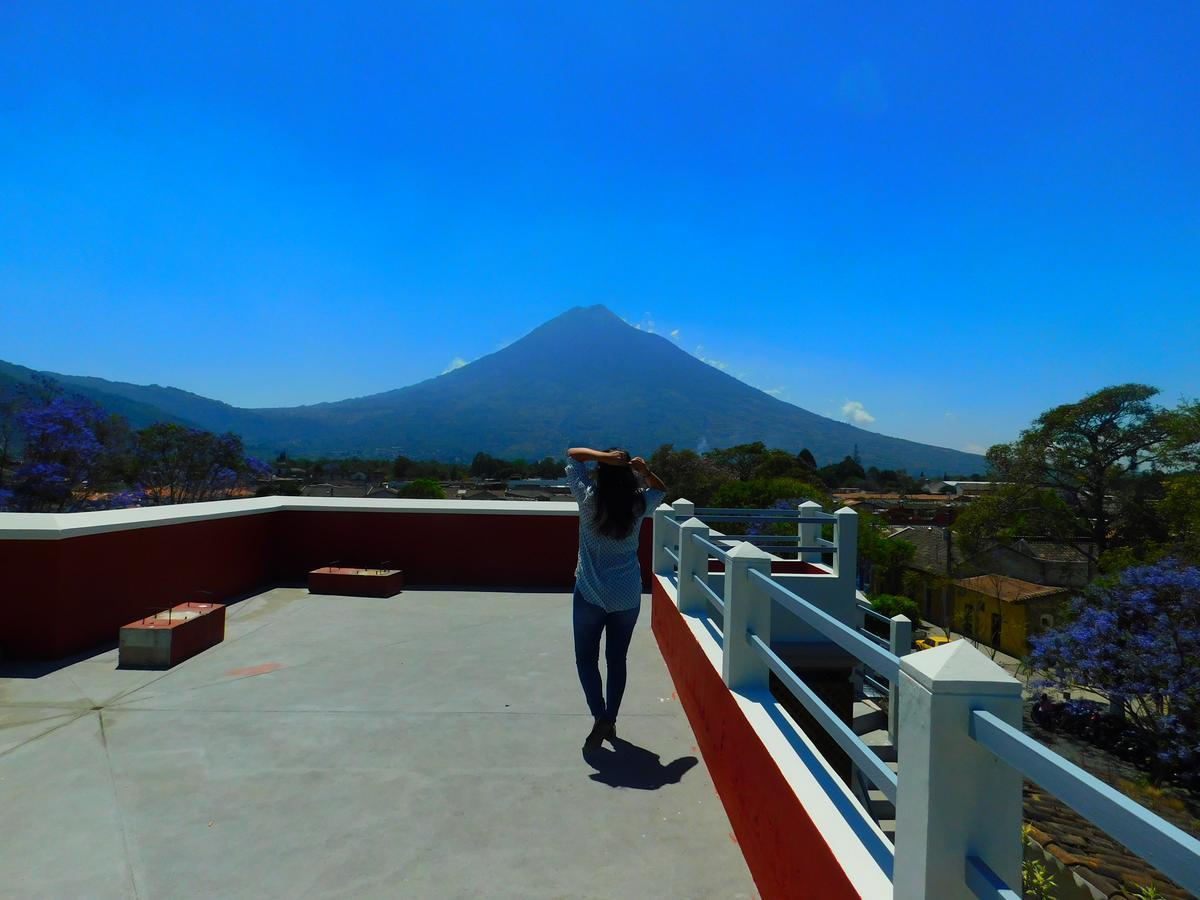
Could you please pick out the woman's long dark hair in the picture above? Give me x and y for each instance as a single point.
(619, 503)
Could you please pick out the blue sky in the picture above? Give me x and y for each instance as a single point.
(952, 215)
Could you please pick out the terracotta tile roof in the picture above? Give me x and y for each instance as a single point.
(1089, 852)
(1010, 590)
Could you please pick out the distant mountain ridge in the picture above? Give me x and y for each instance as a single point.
(584, 377)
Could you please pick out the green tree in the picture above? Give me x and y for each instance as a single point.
(688, 474)
(886, 557)
(1098, 453)
(762, 493)
(742, 460)
(1020, 510)
(175, 464)
(1180, 509)
(423, 489)
(401, 466)
(847, 473)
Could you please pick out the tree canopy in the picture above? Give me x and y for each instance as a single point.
(1090, 472)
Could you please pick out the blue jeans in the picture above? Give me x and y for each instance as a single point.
(590, 620)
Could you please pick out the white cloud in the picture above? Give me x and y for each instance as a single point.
(975, 448)
(775, 391)
(715, 363)
(949, 415)
(853, 411)
(457, 363)
(647, 324)
(675, 333)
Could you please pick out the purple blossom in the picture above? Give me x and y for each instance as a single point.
(61, 447)
(1136, 640)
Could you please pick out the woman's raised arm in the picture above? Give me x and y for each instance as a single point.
(587, 454)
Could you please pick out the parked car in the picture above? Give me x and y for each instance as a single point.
(932, 640)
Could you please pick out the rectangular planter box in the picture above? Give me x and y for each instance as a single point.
(169, 637)
(355, 582)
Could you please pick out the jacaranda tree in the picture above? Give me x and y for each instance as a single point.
(62, 443)
(1135, 640)
(72, 455)
(176, 464)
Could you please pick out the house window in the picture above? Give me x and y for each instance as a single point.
(1047, 621)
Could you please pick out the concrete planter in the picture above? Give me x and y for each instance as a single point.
(169, 637)
(355, 582)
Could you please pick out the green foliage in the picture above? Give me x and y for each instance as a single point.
(1180, 510)
(688, 474)
(405, 468)
(1036, 881)
(1019, 510)
(343, 468)
(423, 489)
(761, 493)
(888, 558)
(1104, 455)
(1145, 892)
(895, 605)
(848, 473)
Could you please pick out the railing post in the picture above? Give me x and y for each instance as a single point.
(900, 643)
(746, 606)
(684, 509)
(810, 533)
(845, 566)
(660, 562)
(955, 799)
(693, 560)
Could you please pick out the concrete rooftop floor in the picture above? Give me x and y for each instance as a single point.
(426, 745)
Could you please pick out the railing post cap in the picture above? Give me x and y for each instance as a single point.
(664, 507)
(958, 668)
(898, 619)
(845, 511)
(810, 504)
(694, 523)
(746, 551)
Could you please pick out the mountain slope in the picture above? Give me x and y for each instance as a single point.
(585, 377)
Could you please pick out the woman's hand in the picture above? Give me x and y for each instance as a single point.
(643, 468)
(615, 458)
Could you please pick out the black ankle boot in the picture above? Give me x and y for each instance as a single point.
(598, 733)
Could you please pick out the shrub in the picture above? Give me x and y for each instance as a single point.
(423, 489)
(894, 605)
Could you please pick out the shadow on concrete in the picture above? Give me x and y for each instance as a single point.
(628, 765)
(37, 668)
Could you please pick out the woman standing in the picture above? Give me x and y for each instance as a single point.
(608, 578)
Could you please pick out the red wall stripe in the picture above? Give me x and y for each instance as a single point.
(784, 850)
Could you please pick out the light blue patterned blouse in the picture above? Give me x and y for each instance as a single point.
(608, 573)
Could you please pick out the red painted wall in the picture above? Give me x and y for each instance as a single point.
(60, 597)
(785, 852)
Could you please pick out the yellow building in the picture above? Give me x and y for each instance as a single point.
(1005, 612)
